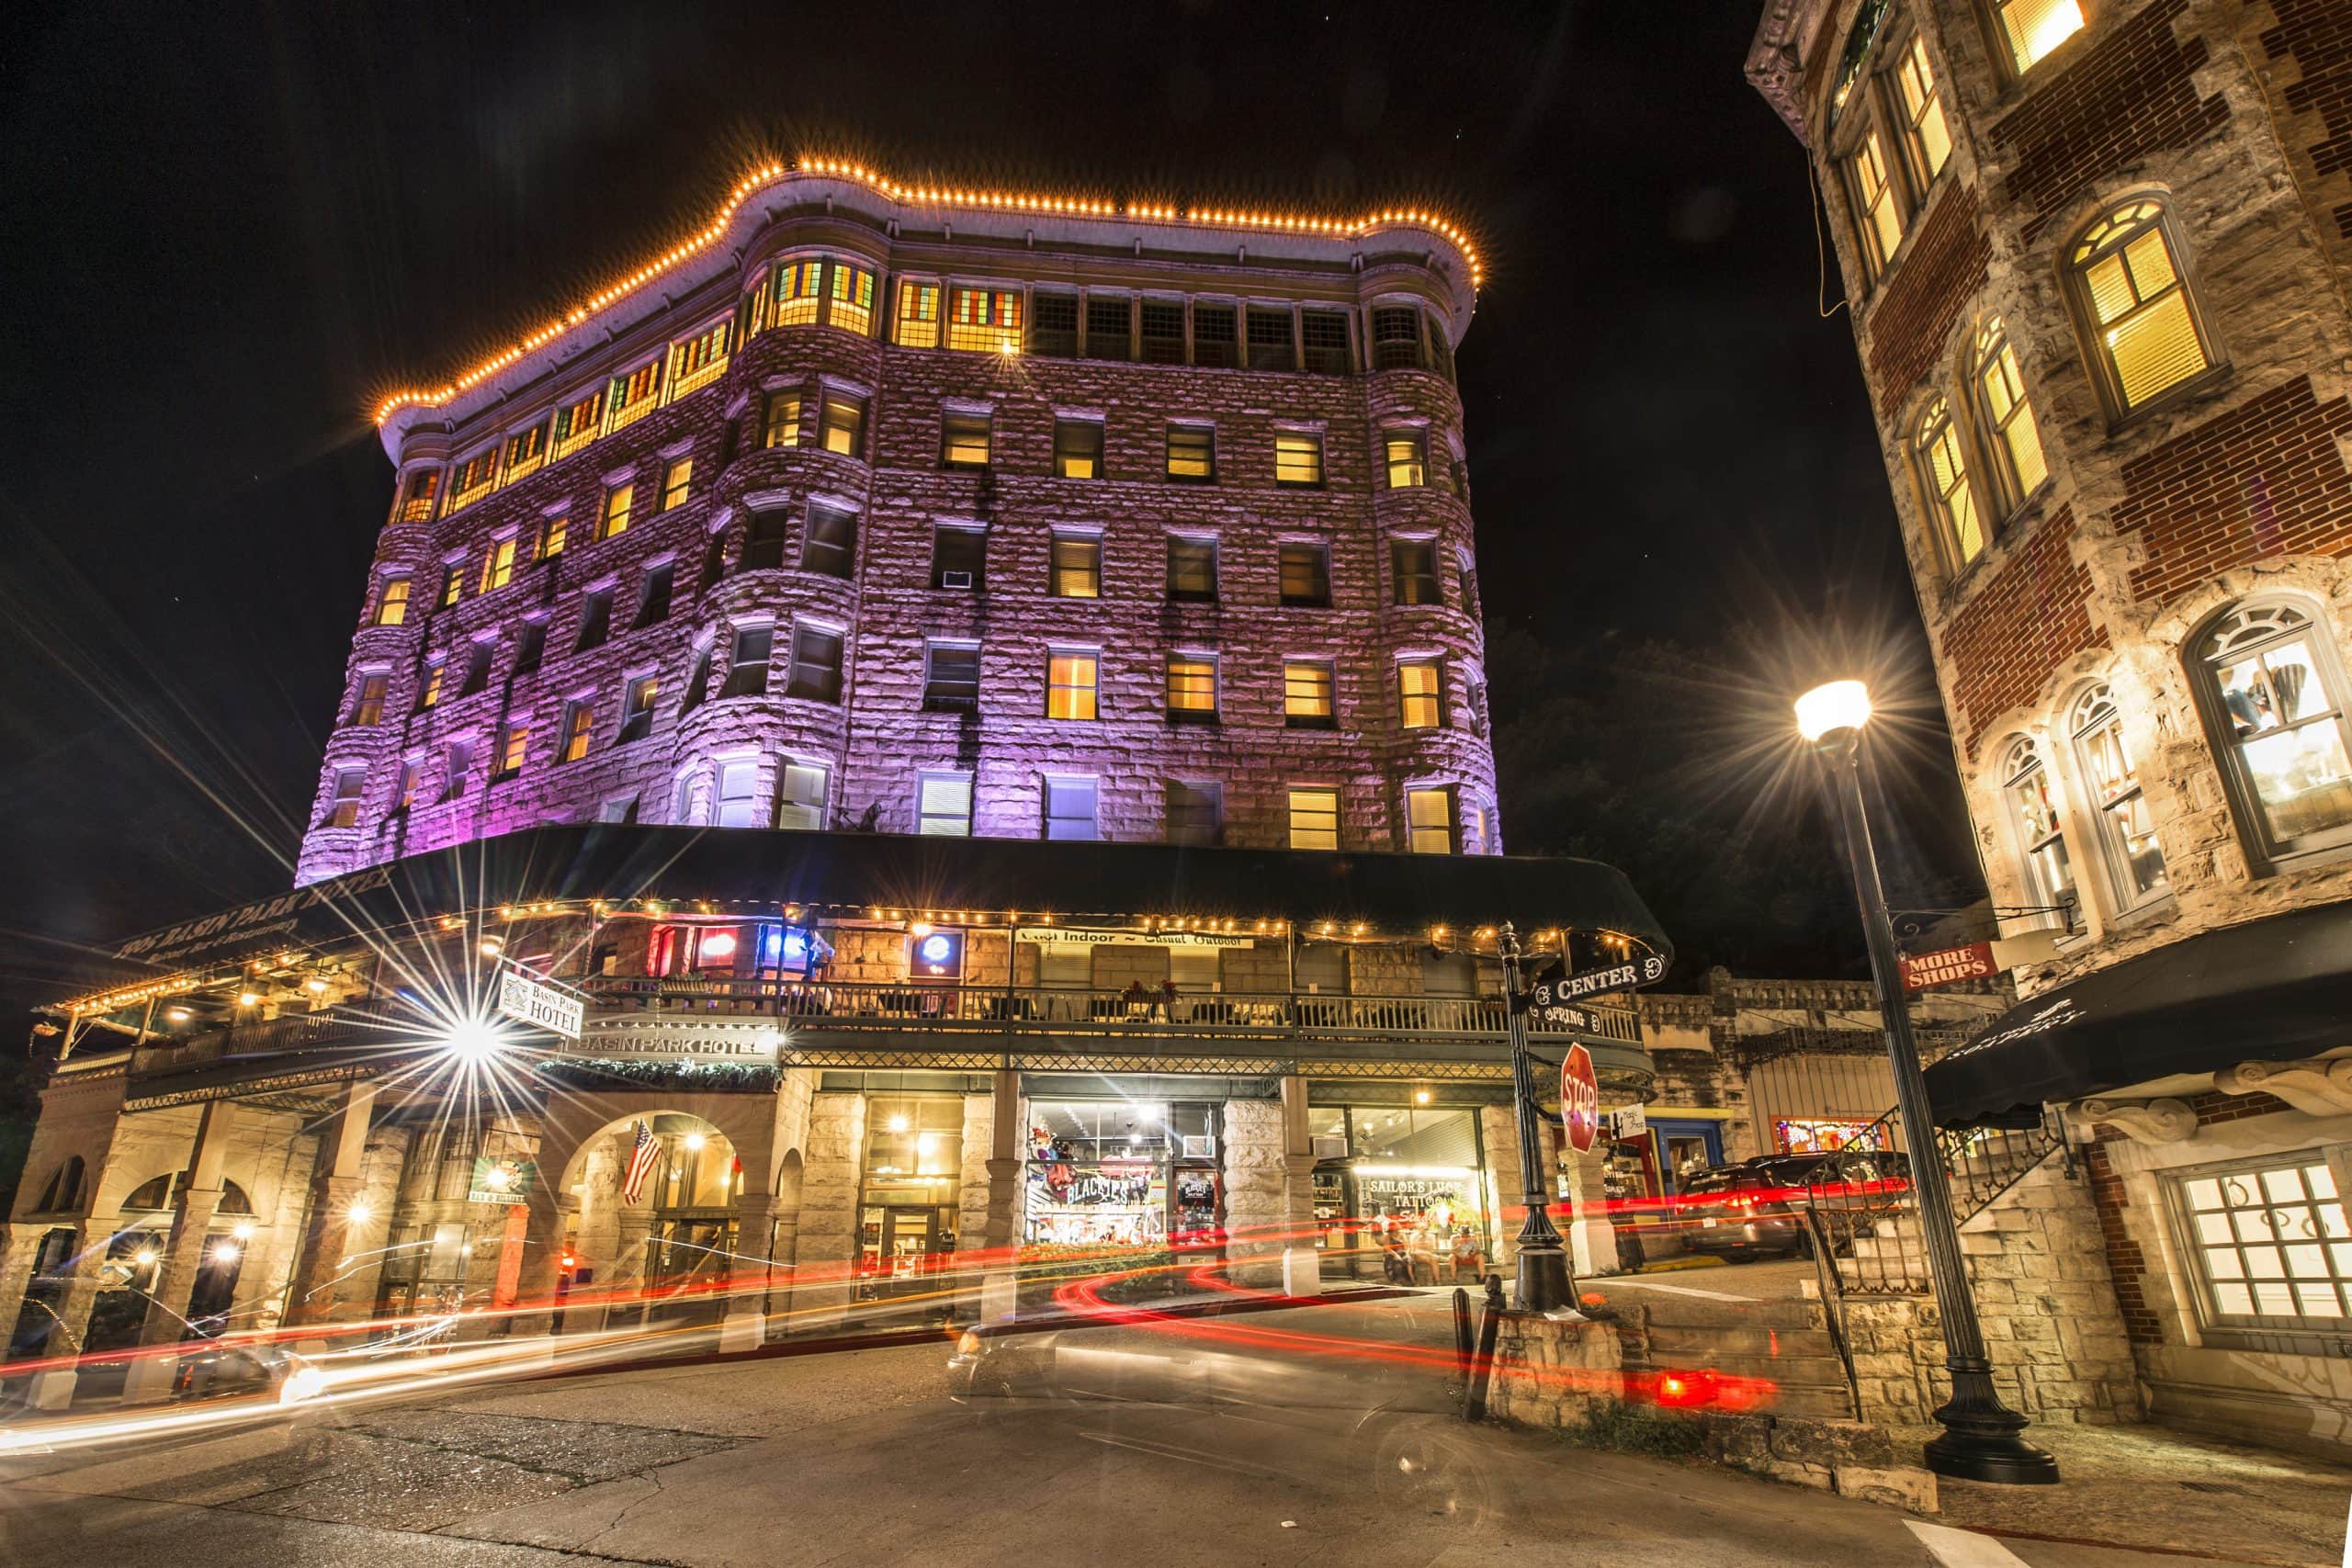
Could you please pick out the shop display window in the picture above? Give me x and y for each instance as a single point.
(1122, 1173)
(907, 1212)
(1401, 1193)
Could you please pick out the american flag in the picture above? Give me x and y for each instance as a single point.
(641, 1156)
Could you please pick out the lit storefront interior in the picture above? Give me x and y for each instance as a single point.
(1401, 1192)
(907, 1211)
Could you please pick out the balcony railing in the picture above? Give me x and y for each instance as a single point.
(1049, 1010)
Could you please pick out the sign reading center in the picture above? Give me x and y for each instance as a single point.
(1580, 1100)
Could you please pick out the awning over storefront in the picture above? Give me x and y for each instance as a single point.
(1387, 893)
(2269, 990)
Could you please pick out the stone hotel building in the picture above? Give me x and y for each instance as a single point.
(2097, 255)
(981, 695)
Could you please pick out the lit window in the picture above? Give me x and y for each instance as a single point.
(1298, 458)
(816, 665)
(511, 746)
(430, 695)
(2270, 1243)
(578, 717)
(830, 545)
(799, 289)
(595, 619)
(391, 602)
(1191, 453)
(1077, 448)
(951, 677)
(964, 438)
(677, 482)
(1428, 821)
(1407, 452)
(780, 423)
(577, 424)
(1191, 688)
(2010, 431)
(1195, 812)
(343, 807)
(1069, 809)
(2127, 831)
(841, 421)
(2128, 281)
(800, 797)
(453, 582)
(1306, 695)
(526, 452)
(615, 519)
(1421, 694)
(2033, 28)
(1110, 325)
(637, 709)
(1070, 680)
(1303, 572)
(1191, 569)
(1877, 212)
(416, 500)
(1076, 566)
(1413, 564)
(653, 595)
(552, 546)
(2034, 816)
(986, 320)
(472, 480)
(764, 537)
(944, 805)
(1314, 819)
(699, 360)
(404, 791)
(1923, 128)
(739, 796)
(368, 705)
(959, 558)
(632, 395)
(498, 565)
(851, 308)
(2274, 695)
(918, 325)
(1943, 468)
(747, 666)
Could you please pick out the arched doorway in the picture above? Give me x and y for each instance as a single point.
(656, 1232)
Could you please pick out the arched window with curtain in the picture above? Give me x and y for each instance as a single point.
(2011, 440)
(2273, 695)
(2134, 861)
(2136, 312)
(1943, 473)
(2034, 818)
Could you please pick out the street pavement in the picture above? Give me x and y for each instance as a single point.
(1273, 1438)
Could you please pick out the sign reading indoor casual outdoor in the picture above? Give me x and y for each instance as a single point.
(1580, 1100)
(1070, 935)
(1950, 967)
(540, 1002)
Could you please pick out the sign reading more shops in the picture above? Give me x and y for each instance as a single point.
(1949, 966)
(536, 1000)
(1580, 1100)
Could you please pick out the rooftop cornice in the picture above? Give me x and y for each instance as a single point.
(703, 254)
(1776, 59)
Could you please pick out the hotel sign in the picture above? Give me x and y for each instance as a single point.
(668, 1042)
(539, 1001)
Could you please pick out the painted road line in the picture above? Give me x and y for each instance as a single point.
(1693, 1290)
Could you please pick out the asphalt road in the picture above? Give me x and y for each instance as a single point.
(1130, 1446)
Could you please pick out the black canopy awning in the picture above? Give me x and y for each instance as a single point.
(2271, 990)
(1388, 893)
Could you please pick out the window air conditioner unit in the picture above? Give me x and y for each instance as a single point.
(1200, 1147)
(955, 580)
(1331, 1147)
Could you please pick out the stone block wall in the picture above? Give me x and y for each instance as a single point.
(833, 1162)
(1256, 1197)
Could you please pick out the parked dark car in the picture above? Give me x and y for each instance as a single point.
(1757, 1209)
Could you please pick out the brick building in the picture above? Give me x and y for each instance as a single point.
(976, 699)
(2095, 255)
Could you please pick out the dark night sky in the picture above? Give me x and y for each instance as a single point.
(229, 228)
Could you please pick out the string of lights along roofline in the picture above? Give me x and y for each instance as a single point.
(768, 175)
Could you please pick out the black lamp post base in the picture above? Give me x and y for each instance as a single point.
(2004, 1459)
(1542, 1284)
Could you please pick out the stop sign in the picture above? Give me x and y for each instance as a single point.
(1580, 1100)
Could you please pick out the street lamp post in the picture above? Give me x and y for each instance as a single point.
(1542, 1282)
(1980, 1439)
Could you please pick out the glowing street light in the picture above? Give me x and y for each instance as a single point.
(358, 1213)
(472, 1039)
(224, 1252)
(1980, 1439)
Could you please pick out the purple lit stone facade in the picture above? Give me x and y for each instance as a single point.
(874, 744)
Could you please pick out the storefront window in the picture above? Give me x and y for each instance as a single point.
(914, 1164)
(1400, 1192)
(1125, 1174)
(2270, 1243)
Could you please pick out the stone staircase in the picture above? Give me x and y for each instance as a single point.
(1785, 1341)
